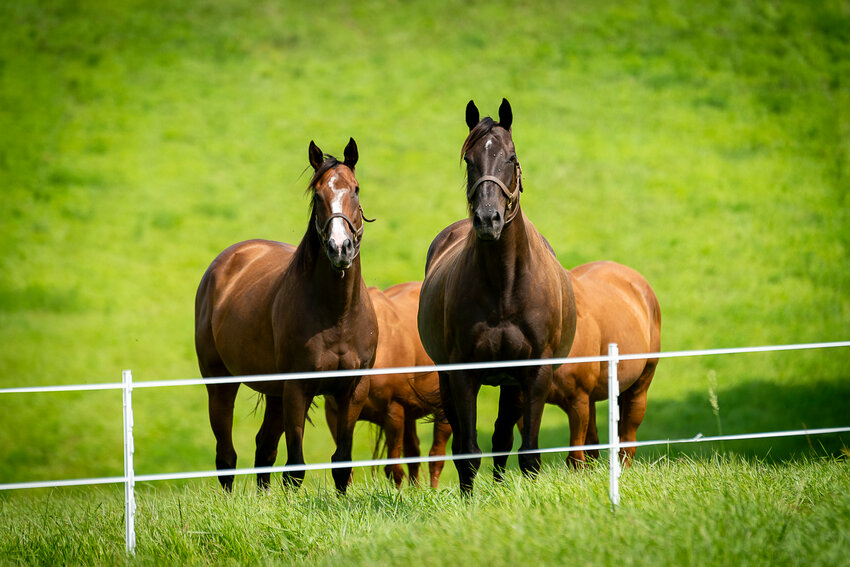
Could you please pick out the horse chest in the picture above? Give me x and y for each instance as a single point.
(335, 353)
(504, 340)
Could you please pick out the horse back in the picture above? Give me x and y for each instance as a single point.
(615, 304)
(233, 305)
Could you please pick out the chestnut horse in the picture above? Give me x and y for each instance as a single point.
(615, 304)
(268, 307)
(494, 290)
(397, 401)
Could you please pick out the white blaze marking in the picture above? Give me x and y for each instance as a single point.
(337, 229)
(488, 144)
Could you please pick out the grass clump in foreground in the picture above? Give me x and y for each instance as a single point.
(712, 511)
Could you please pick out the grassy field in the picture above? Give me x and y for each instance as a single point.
(713, 512)
(704, 144)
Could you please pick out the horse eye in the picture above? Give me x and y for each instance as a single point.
(357, 190)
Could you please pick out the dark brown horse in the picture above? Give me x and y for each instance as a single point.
(267, 307)
(494, 290)
(397, 401)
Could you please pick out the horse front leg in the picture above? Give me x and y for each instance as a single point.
(222, 398)
(510, 409)
(460, 390)
(535, 389)
(268, 438)
(296, 402)
(350, 405)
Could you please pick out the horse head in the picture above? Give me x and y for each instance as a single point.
(336, 211)
(494, 177)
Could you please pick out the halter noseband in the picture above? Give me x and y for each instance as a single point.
(358, 232)
(511, 196)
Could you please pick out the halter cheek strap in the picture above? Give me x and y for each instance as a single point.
(512, 196)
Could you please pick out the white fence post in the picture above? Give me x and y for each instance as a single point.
(129, 476)
(613, 420)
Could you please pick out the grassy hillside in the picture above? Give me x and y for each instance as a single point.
(704, 144)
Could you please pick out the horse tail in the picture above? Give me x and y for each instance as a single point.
(430, 400)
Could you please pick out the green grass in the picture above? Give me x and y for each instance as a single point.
(725, 511)
(704, 144)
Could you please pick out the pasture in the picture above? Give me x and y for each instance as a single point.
(703, 144)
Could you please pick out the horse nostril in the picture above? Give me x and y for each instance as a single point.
(487, 218)
(335, 250)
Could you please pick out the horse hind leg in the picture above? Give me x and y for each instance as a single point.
(592, 437)
(411, 449)
(578, 411)
(394, 432)
(632, 404)
(268, 438)
(442, 432)
(221, 400)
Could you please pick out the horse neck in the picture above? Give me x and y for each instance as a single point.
(501, 260)
(339, 292)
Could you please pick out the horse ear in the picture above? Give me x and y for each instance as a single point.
(506, 115)
(471, 115)
(316, 155)
(350, 154)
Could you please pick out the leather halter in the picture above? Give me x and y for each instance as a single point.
(358, 232)
(512, 196)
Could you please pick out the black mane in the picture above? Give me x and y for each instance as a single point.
(479, 131)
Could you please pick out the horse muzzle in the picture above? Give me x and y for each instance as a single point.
(341, 254)
(488, 222)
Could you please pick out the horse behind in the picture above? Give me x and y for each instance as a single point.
(615, 304)
(397, 401)
(267, 307)
(494, 290)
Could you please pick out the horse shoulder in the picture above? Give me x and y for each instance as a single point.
(447, 239)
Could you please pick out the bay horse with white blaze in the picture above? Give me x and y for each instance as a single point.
(494, 290)
(267, 307)
(397, 401)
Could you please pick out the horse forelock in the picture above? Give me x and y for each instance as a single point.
(484, 127)
(479, 131)
(330, 162)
